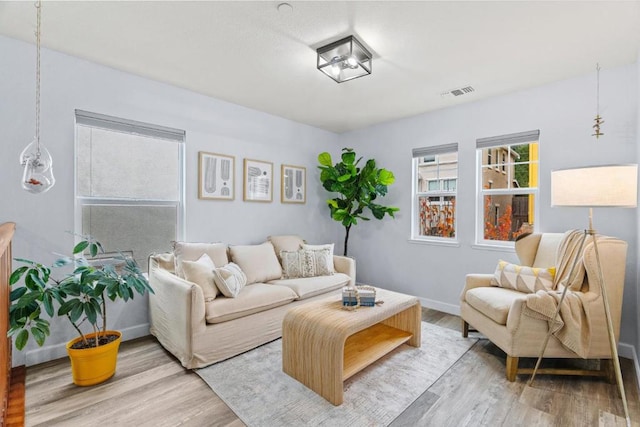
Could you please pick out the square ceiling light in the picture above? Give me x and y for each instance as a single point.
(346, 59)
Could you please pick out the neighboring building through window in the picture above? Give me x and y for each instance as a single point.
(129, 184)
(435, 191)
(507, 196)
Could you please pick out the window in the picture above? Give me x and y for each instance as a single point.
(507, 197)
(434, 196)
(129, 184)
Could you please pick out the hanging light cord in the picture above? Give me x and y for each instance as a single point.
(38, 8)
(597, 88)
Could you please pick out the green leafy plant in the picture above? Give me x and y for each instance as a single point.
(81, 296)
(358, 187)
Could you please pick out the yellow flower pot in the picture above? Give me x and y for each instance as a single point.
(94, 365)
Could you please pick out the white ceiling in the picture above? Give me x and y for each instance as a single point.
(248, 53)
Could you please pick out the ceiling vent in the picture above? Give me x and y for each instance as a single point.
(458, 91)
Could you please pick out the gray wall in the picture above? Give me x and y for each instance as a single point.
(211, 125)
(564, 112)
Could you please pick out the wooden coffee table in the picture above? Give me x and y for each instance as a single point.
(323, 344)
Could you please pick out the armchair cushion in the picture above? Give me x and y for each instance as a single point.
(522, 278)
(258, 262)
(493, 302)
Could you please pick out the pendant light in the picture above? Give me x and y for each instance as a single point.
(37, 176)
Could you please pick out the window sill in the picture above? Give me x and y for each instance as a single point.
(497, 248)
(452, 244)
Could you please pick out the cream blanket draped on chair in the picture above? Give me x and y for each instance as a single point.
(572, 326)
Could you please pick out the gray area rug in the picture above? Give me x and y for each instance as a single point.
(255, 388)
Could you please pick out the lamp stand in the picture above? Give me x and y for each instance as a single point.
(607, 313)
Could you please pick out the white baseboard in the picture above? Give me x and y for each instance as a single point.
(629, 352)
(440, 306)
(57, 351)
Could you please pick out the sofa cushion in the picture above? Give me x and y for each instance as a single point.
(251, 299)
(200, 272)
(522, 278)
(289, 242)
(493, 302)
(192, 251)
(259, 262)
(230, 279)
(166, 261)
(311, 286)
(328, 246)
(306, 263)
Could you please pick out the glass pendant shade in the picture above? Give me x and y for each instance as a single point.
(37, 176)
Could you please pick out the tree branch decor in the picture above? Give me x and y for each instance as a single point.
(358, 189)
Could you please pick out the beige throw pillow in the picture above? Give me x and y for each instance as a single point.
(259, 262)
(289, 242)
(200, 272)
(523, 279)
(230, 279)
(185, 251)
(306, 263)
(328, 246)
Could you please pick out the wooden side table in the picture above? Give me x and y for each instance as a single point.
(323, 345)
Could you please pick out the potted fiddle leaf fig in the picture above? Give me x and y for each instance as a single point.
(358, 188)
(81, 297)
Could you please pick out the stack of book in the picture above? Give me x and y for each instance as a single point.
(364, 295)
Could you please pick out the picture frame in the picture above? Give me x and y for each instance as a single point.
(258, 181)
(216, 176)
(293, 184)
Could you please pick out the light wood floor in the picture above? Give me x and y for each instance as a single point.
(151, 388)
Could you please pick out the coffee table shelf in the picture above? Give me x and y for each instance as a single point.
(369, 345)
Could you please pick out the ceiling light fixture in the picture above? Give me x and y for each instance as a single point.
(345, 59)
(37, 176)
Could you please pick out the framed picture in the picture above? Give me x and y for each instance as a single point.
(294, 184)
(258, 181)
(216, 176)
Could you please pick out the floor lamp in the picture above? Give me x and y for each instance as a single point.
(598, 186)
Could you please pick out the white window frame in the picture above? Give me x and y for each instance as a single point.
(420, 153)
(116, 124)
(494, 143)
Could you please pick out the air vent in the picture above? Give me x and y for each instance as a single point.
(458, 91)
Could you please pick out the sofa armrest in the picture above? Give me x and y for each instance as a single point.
(176, 310)
(346, 265)
(475, 281)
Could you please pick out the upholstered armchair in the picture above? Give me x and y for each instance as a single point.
(499, 313)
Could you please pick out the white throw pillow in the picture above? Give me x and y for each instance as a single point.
(200, 272)
(329, 246)
(306, 263)
(230, 279)
(186, 251)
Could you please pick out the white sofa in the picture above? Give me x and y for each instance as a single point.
(200, 332)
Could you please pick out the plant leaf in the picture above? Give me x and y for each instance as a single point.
(386, 177)
(17, 274)
(17, 293)
(38, 335)
(21, 339)
(80, 247)
(325, 159)
(348, 157)
(93, 249)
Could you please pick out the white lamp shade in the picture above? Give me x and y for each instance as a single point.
(596, 186)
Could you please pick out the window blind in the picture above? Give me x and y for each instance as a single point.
(128, 126)
(512, 138)
(435, 150)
